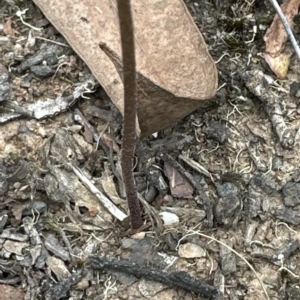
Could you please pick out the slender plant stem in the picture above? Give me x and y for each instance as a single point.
(130, 109)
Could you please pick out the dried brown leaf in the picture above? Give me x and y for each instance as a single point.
(7, 28)
(277, 58)
(18, 209)
(179, 186)
(170, 54)
(276, 35)
(279, 64)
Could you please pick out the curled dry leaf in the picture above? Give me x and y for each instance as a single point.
(171, 54)
(179, 186)
(7, 28)
(276, 37)
(279, 64)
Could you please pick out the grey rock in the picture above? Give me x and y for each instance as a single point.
(291, 194)
(228, 260)
(276, 163)
(228, 189)
(294, 89)
(156, 178)
(217, 131)
(143, 252)
(288, 215)
(128, 243)
(227, 204)
(253, 203)
(52, 60)
(269, 186)
(141, 183)
(171, 241)
(23, 129)
(42, 71)
(150, 194)
(35, 206)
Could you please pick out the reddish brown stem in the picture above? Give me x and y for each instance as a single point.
(130, 109)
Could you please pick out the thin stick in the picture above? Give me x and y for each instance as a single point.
(130, 109)
(114, 210)
(286, 26)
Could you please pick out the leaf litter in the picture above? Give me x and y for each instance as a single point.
(245, 186)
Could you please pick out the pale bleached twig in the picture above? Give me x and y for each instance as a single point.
(115, 211)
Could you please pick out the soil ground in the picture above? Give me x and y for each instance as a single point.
(229, 173)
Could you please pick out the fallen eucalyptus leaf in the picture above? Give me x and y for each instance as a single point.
(171, 55)
(276, 35)
(279, 64)
(179, 186)
(277, 57)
